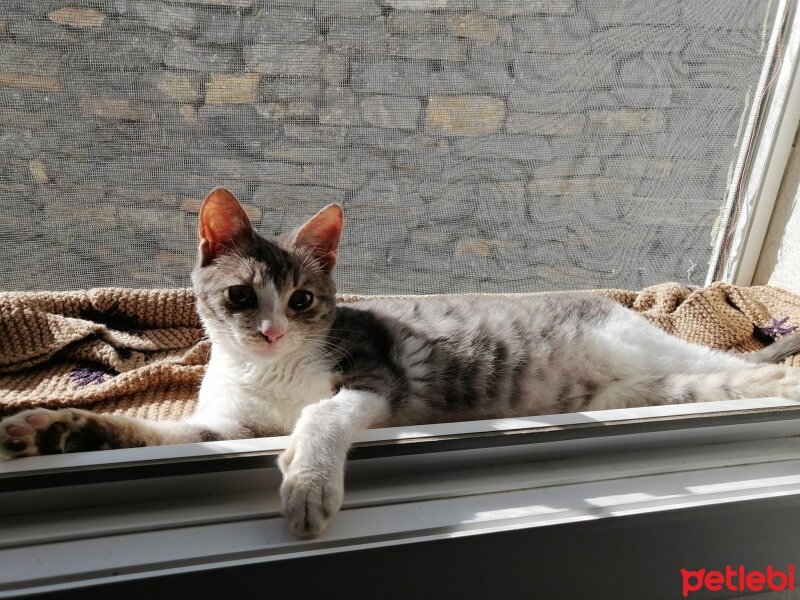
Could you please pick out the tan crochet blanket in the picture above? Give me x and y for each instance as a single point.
(142, 352)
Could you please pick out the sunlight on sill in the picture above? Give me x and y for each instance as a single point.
(749, 484)
(513, 513)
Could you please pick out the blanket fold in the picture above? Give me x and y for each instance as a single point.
(143, 352)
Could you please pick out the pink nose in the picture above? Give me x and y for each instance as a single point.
(272, 334)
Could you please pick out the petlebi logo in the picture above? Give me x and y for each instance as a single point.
(738, 579)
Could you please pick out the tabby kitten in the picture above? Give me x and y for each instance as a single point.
(286, 359)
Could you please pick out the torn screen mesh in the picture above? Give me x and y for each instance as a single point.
(476, 145)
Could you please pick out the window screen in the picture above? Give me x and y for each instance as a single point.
(476, 145)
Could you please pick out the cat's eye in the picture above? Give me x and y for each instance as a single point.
(300, 300)
(241, 296)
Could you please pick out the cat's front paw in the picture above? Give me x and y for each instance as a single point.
(310, 494)
(43, 431)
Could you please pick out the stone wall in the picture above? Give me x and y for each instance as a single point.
(477, 145)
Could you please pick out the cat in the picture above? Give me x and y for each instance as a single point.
(285, 358)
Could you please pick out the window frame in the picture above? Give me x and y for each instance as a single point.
(137, 516)
(761, 163)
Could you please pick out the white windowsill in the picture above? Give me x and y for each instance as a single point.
(135, 526)
(409, 434)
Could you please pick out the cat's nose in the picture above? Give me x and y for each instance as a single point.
(272, 334)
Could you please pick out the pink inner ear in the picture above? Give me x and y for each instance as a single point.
(321, 235)
(223, 223)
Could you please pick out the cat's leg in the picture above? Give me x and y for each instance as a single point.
(43, 431)
(313, 463)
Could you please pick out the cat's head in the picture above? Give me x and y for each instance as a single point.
(263, 298)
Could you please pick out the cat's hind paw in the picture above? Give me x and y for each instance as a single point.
(42, 431)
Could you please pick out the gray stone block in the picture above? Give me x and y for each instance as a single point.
(348, 175)
(564, 72)
(523, 100)
(690, 145)
(639, 167)
(631, 98)
(303, 154)
(504, 200)
(483, 169)
(650, 70)
(715, 71)
(427, 47)
(292, 110)
(581, 187)
(495, 56)
(470, 78)
(297, 60)
(391, 76)
(295, 201)
(482, 31)
(367, 35)
(430, 5)
(546, 124)
(280, 25)
(714, 120)
(394, 112)
(576, 166)
(339, 107)
(627, 121)
(20, 142)
(511, 8)
(232, 126)
(184, 54)
(290, 89)
(335, 69)
(423, 164)
(329, 136)
(119, 50)
(414, 23)
(397, 207)
(639, 38)
(691, 97)
(741, 44)
(634, 12)
(553, 35)
(220, 28)
(347, 8)
(44, 33)
(398, 141)
(743, 14)
(366, 160)
(28, 59)
(178, 87)
(514, 147)
(166, 17)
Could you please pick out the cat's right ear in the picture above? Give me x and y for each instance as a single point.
(223, 226)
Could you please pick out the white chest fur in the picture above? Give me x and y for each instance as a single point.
(269, 395)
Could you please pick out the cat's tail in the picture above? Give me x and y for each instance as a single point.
(777, 351)
(756, 381)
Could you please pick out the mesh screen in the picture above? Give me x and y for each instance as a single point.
(476, 145)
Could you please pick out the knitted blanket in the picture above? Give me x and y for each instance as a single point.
(143, 353)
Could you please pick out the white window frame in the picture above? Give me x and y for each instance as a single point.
(119, 517)
(760, 165)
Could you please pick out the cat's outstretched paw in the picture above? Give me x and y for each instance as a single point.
(310, 494)
(43, 431)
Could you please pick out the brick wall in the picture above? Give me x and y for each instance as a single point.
(477, 145)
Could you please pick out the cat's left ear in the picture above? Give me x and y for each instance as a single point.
(321, 235)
